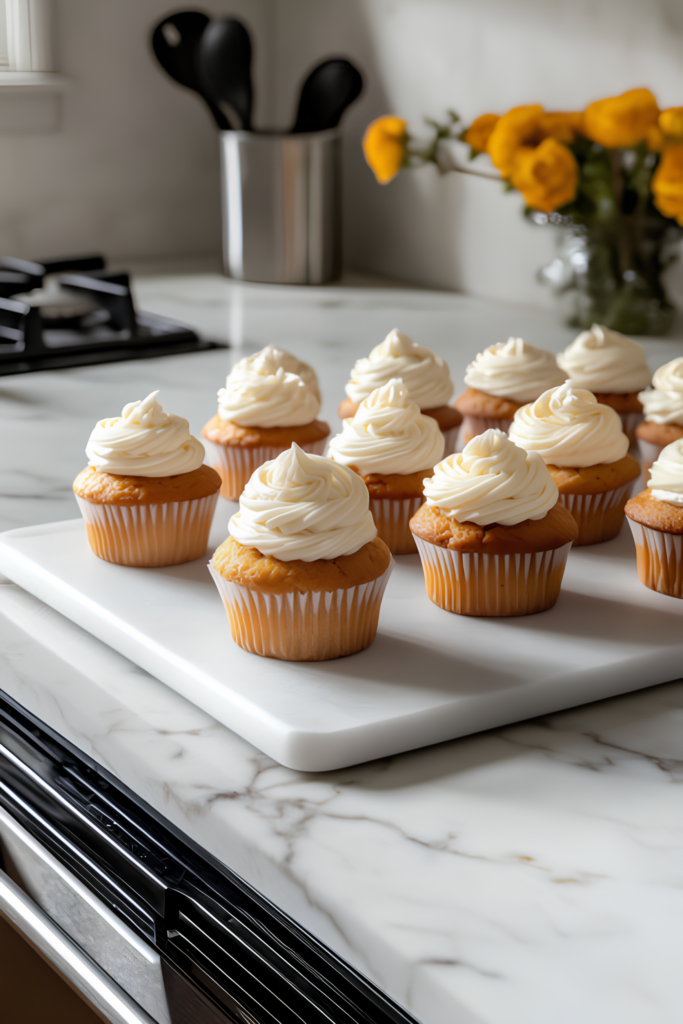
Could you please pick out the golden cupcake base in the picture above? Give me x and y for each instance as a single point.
(598, 516)
(659, 558)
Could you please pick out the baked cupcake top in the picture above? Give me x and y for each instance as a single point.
(514, 369)
(567, 426)
(304, 506)
(663, 402)
(388, 434)
(144, 441)
(273, 358)
(492, 481)
(266, 395)
(605, 362)
(666, 475)
(424, 374)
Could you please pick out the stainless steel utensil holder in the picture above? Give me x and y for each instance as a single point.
(281, 206)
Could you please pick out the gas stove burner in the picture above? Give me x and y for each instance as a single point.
(74, 312)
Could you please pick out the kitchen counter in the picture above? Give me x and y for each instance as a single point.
(522, 876)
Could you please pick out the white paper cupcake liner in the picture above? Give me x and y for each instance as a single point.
(660, 559)
(235, 464)
(472, 583)
(149, 536)
(598, 516)
(392, 516)
(629, 422)
(452, 439)
(649, 453)
(472, 426)
(314, 626)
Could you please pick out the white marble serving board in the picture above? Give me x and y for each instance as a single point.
(430, 675)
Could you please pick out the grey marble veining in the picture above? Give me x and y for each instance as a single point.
(526, 875)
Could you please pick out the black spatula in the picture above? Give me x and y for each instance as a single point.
(327, 92)
(223, 64)
(174, 42)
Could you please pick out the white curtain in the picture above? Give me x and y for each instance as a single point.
(28, 35)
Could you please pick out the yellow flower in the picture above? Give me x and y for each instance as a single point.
(621, 120)
(671, 122)
(563, 126)
(667, 183)
(384, 145)
(547, 175)
(519, 127)
(655, 139)
(479, 132)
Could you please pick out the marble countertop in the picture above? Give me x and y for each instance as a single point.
(521, 876)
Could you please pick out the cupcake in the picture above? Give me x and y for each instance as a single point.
(303, 573)
(276, 358)
(613, 367)
(501, 379)
(492, 536)
(146, 497)
(424, 374)
(393, 446)
(663, 409)
(262, 410)
(585, 449)
(656, 520)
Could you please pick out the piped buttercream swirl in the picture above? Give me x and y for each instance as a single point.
(666, 474)
(264, 396)
(663, 402)
(423, 372)
(492, 481)
(144, 441)
(304, 506)
(567, 426)
(605, 362)
(514, 369)
(269, 360)
(388, 434)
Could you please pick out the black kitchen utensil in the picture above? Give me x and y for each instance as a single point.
(223, 66)
(174, 42)
(329, 89)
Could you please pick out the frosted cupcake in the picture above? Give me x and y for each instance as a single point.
(613, 367)
(262, 410)
(663, 409)
(424, 374)
(492, 536)
(303, 573)
(501, 379)
(146, 498)
(393, 446)
(277, 358)
(656, 520)
(585, 449)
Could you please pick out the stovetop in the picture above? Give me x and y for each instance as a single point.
(74, 312)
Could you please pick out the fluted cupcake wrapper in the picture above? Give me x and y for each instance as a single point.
(235, 464)
(451, 438)
(629, 422)
(472, 583)
(649, 453)
(598, 516)
(315, 626)
(392, 516)
(149, 536)
(659, 558)
(472, 426)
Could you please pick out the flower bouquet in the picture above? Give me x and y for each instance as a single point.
(611, 176)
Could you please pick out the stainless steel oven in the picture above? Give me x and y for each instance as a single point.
(146, 926)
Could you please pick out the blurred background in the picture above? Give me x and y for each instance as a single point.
(118, 159)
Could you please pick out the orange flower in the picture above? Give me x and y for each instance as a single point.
(671, 122)
(621, 120)
(547, 175)
(384, 145)
(519, 127)
(561, 126)
(479, 132)
(655, 139)
(667, 183)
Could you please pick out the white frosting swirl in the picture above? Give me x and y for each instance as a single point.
(606, 362)
(567, 426)
(263, 396)
(144, 441)
(304, 506)
(492, 481)
(425, 375)
(666, 474)
(270, 359)
(663, 402)
(515, 370)
(388, 434)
